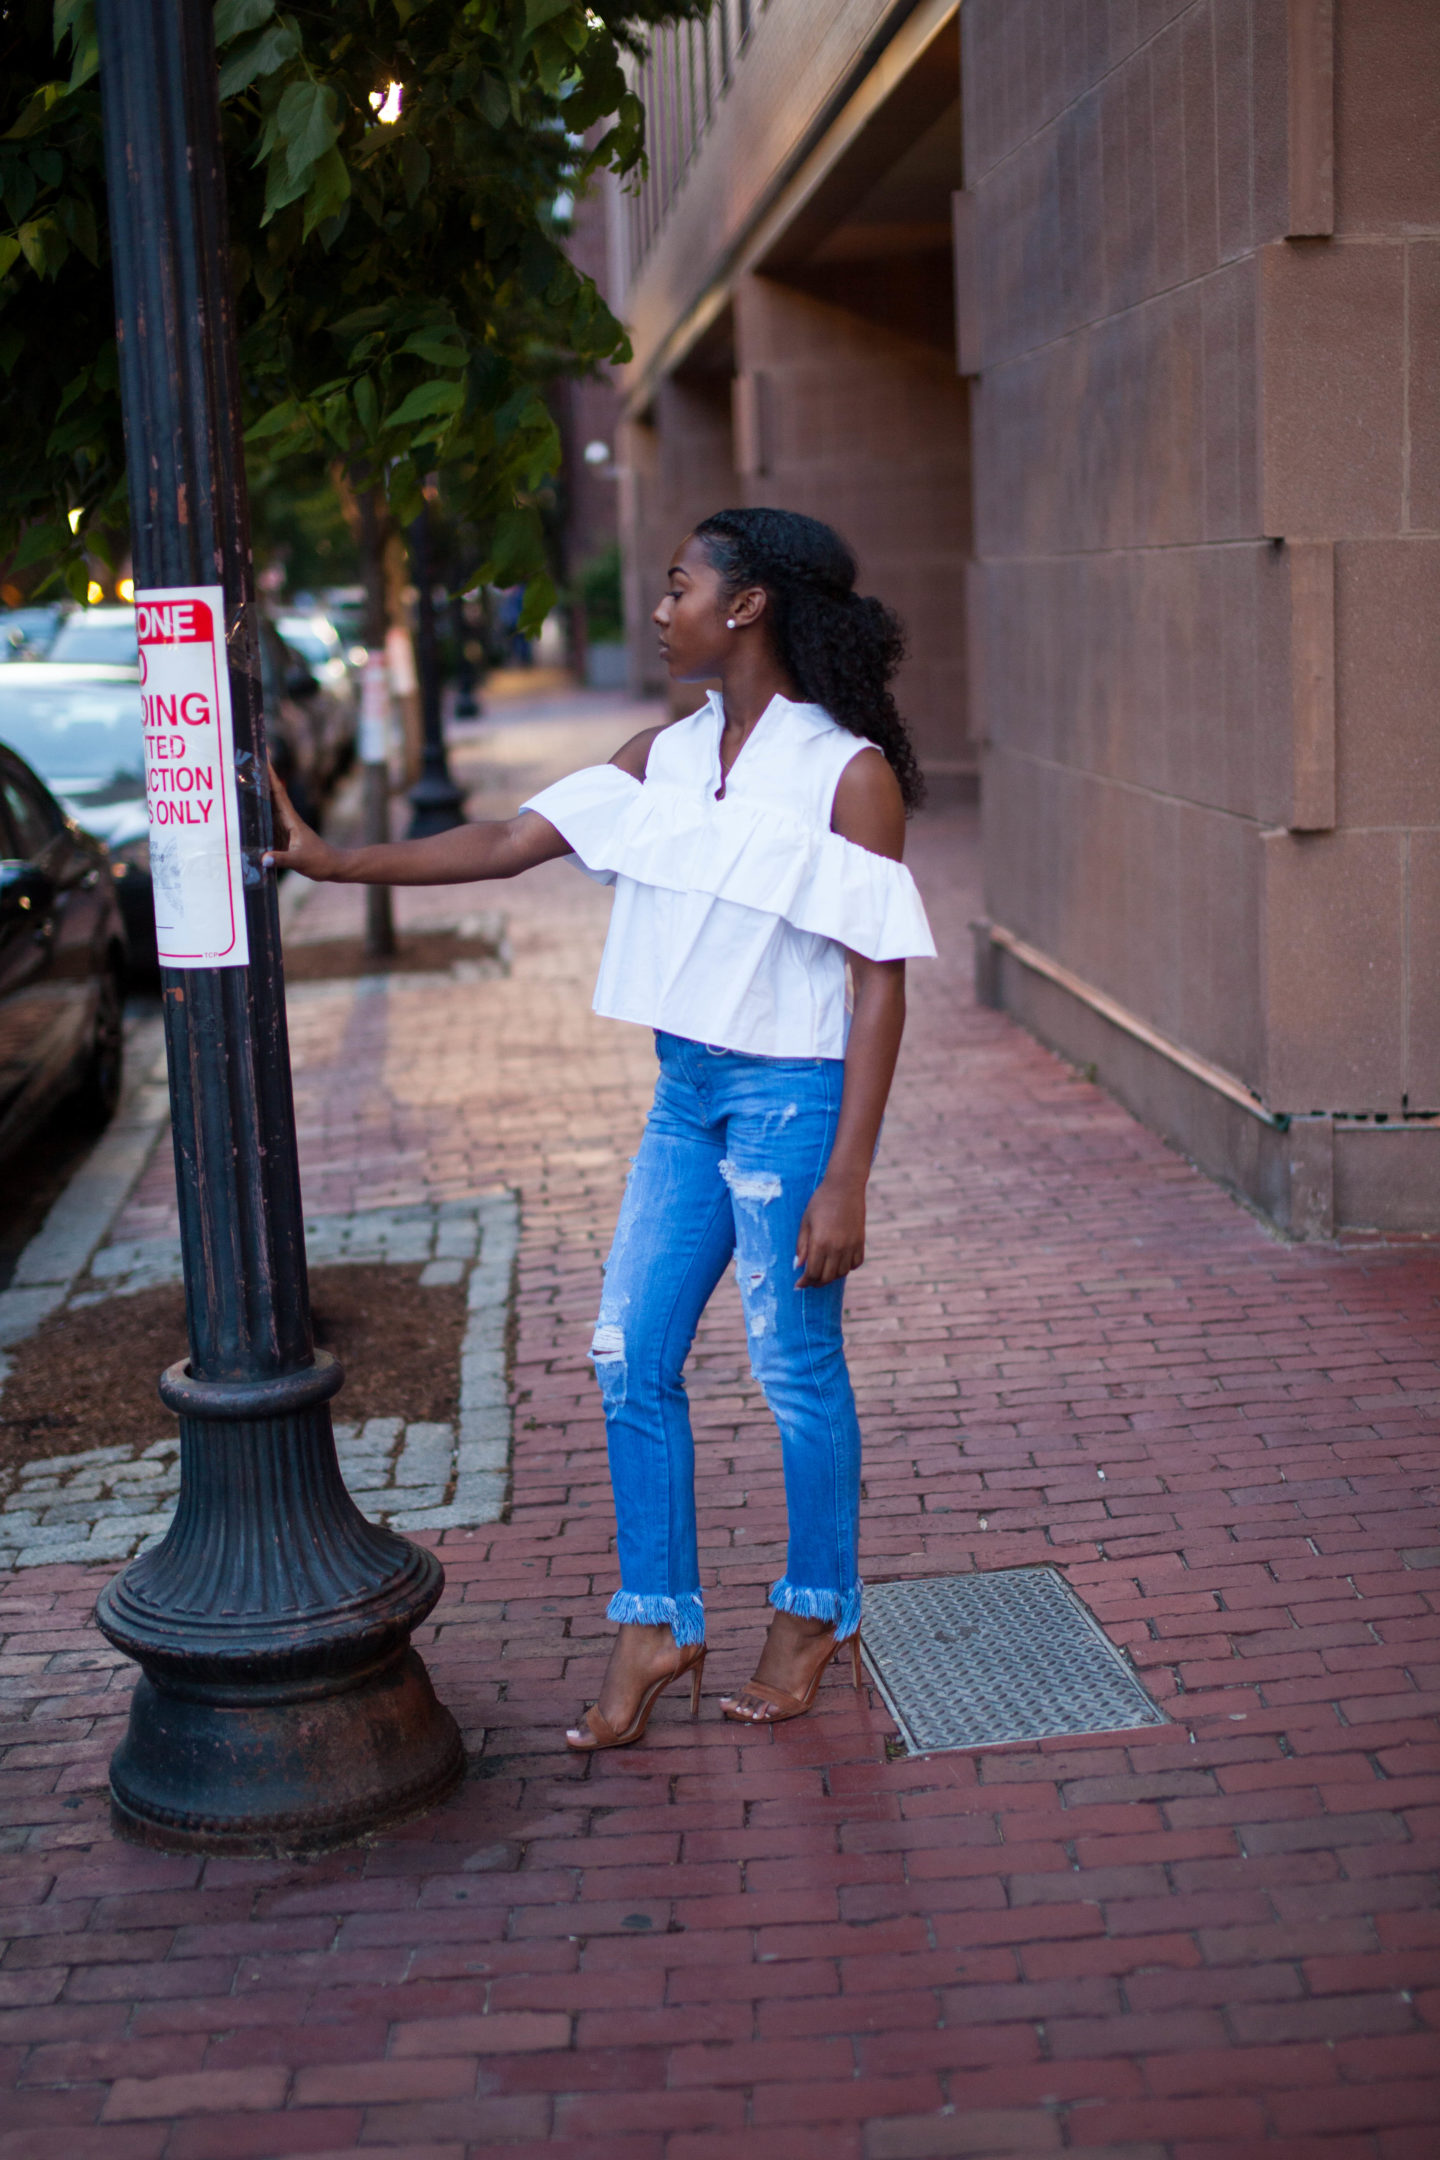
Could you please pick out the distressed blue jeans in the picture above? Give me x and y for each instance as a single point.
(733, 1149)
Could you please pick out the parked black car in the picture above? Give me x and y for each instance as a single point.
(62, 963)
(80, 728)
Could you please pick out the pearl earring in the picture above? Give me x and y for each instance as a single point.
(730, 624)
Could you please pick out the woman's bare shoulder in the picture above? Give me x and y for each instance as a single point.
(634, 756)
(869, 807)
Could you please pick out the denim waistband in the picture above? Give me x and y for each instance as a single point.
(682, 1043)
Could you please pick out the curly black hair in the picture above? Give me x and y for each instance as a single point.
(840, 647)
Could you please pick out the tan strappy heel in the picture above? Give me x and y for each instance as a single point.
(772, 1705)
(604, 1735)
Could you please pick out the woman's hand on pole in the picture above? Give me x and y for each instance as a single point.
(296, 847)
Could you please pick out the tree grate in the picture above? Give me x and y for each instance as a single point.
(973, 1661)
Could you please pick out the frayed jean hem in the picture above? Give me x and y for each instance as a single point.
(841, 1606)
(685, 1616)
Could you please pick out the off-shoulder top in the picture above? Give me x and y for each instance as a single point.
(732, 911)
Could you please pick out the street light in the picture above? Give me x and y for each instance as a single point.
(280, 1705)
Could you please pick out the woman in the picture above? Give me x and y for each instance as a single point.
(755, 853)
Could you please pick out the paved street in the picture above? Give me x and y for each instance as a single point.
(1212, 1937)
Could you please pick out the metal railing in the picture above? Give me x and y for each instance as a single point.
(681, 82)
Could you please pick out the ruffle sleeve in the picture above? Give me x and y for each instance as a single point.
(743, 851)
(585, 809)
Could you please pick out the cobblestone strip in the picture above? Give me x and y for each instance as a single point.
(108, 1504)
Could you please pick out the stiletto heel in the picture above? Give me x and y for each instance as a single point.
(604, 1735)
(758, 1703)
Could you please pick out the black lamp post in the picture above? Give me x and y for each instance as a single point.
(280, 1705)
(467, 705)
(375, 725)
(436, 803)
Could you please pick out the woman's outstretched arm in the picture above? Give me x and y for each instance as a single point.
(499, 848)
(869, 811)
(496, 848)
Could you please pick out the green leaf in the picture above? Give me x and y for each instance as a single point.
(40, 541)
(307, 122)
(415, 166)
(540, 597)
(78, 220)
(234, 17)
(361, 322)
(367, 407)
(552, 61)
(280, 192)
(495, 100)
(335, 415)
(402, 486)
(43, 245)
(86, 61)
(517, 550)
(37, 113)
(73, 389)
(539, 12)
(440, 347)
(426, 402)
(331, 228)
(21, 187)
(68, 16)
(275, 422)
(329, 190)
(75, 19)
(263, 55)
(9, 253)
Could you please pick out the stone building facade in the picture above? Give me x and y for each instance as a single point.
(1109, 332)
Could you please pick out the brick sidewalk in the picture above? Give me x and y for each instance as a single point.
(1213, 1938)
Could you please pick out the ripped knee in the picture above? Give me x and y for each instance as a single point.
(757, 1297)
(754, 1187)
(607, 1355)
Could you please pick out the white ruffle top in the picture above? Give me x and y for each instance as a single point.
(732, 912)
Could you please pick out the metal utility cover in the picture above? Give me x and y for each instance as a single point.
(969, 1661)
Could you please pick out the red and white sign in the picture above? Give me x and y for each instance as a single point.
(195, 857)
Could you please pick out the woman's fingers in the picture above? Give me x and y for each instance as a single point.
(291, 830)
(827, 1264)
(283, 812)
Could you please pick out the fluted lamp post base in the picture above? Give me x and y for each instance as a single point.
(280, 1708)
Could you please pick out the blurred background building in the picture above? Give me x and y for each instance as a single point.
(1110, 336)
